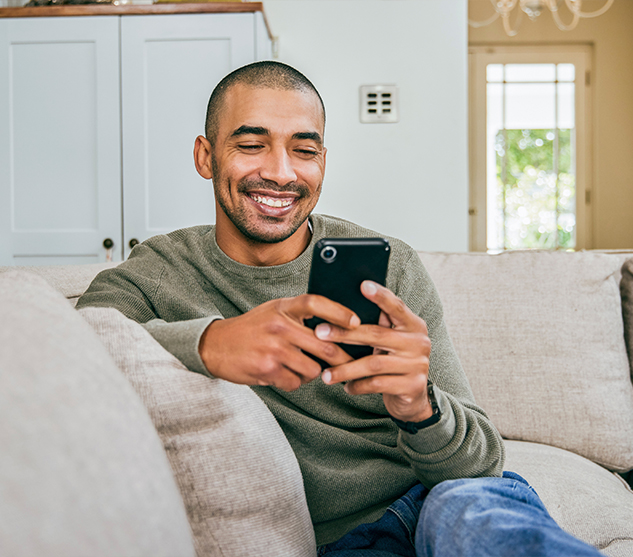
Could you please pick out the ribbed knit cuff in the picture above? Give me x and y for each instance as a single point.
(182, 339)
(437, 436)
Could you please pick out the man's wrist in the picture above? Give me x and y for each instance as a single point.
(205, 344)
(414, 427)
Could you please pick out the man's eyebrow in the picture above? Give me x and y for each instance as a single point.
(250, 130)
(314, 136)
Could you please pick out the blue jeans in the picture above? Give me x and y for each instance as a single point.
(478, 517)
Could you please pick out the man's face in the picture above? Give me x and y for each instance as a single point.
(268, 161)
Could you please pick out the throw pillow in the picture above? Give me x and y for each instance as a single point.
(238, 476)
(82, 470)
(540, 337)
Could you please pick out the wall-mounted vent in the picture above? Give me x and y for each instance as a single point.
(378, 103)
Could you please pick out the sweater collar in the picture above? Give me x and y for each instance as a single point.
(298, 265)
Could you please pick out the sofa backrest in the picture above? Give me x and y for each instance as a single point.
(71, 280)
(541, 338)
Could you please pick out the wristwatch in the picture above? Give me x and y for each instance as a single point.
(414, 427)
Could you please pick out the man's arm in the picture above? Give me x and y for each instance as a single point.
(263, 346)
(464, 443)
(130, 288)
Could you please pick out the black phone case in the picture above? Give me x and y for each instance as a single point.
(339, 278)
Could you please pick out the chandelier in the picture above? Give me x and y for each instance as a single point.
(533, 9)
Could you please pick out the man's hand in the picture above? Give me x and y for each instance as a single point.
(399, 366)
(264, 346)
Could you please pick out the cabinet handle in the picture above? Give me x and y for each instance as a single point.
(108, 245)
(133, 242)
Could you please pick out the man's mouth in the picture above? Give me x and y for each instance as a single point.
(271, 201)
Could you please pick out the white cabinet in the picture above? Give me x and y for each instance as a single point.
(98, 117)
(60, 140)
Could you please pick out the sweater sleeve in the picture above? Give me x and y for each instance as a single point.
(464, 443)
(136, 293)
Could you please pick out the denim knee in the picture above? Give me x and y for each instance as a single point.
(491, 516)
(454, 496)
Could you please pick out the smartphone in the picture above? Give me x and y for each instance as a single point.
(339, 266)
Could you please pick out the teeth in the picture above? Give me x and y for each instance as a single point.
(271, 202)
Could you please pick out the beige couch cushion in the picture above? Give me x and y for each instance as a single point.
(71, 280)
(82, 470)
(238, 476)
(541, 339)
(586, 500)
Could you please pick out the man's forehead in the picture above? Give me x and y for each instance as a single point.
(249, 103)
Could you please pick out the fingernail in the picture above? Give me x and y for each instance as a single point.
(370, 287)
(322, 330)
(326, 376)
(354, 321)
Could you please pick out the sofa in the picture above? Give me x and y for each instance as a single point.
(110, 446)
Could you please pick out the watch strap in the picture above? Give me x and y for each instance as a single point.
(414, 427)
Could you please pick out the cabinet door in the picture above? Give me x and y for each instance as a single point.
(60, 172)
(170, 65)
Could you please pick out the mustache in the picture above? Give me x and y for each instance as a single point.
(244, 186)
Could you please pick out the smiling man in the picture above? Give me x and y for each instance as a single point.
(372, 436)
(267, 169)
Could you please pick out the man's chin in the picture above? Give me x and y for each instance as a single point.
(268, 234)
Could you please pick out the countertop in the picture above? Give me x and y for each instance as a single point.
(133, 9)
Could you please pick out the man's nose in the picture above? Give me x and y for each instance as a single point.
(278, 168)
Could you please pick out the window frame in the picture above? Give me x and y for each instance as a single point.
(479, 57)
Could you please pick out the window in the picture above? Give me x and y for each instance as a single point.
(529, 148)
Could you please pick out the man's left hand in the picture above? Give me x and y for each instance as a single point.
(399, 366)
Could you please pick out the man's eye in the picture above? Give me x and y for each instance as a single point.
(307, 152)
(250, 147)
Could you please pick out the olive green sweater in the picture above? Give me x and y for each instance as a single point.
(354, 460)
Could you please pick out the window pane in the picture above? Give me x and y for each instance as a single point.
(530, 190)
(494, 150)
(566, 151)
(566, 105)
(531, 160)
(566, 190)
(494, 72)
(530, 72)
(566, 72)
(567, 230)
(530, 105)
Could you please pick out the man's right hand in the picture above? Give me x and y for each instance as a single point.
(264, 346)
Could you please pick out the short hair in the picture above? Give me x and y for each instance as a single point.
(267, 74)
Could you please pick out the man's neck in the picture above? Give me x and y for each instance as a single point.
(248, 252)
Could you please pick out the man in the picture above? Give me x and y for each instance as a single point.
(371, 435)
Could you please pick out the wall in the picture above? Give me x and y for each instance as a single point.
(612, 38)
(408, 179)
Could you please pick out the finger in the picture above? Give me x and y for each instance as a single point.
(375, 365)
(397, 311)
(384, 320)
(411, 387)
(303, 365)
(382, 338)
(307, 306)
(301, 338)
(331, 353)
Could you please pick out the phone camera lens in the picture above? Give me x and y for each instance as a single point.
(328, 254)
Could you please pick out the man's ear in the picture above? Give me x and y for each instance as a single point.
(202, 157)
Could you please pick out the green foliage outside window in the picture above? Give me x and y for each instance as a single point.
(539, 202)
